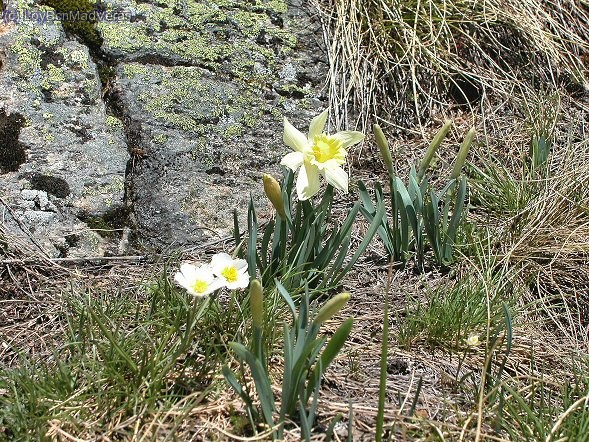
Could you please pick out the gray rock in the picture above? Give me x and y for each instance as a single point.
(195, 91)
(73, 162)
(206, 90)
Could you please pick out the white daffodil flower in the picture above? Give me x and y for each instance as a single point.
(318, 154)
(198, 281)
(232, 272)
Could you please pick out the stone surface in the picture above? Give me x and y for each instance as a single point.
(51, 101)
(165, 128)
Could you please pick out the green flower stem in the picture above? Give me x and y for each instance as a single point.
(384, 349)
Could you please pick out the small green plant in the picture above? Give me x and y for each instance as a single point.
(418, 213)
(451, 316)
(546, 411)
(306, 357)
(539, 151)
(495, 189)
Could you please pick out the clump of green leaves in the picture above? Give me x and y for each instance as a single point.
(306, 357)
(453, 314)
(419, 215)
(302, 244)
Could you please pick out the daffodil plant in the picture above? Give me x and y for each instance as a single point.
(306, 358)
(419, 215)
(302, 243)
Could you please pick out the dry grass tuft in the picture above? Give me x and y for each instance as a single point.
(408, 60)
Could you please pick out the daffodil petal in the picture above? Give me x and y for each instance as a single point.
(294, 138)
(349, 137)
(181, 280)
(318, 124)
(242, 282)
(293, 160)
(219, 261)
(240, 264)
(188, 270)
(307, 181)
(337, 177)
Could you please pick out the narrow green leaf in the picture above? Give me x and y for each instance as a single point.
(416, 397)
(113, 341)
(331, 427)
(264, 250)
(236, 233)
(365, 197)
(234, 383)
(252, 227)
(287, 298)
(260, 380)
(376, 223)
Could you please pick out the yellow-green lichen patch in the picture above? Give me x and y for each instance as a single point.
(105, 190)
(191, 46)
(206, 33)
(276, 6)
(133, 70)
(77, 57)
(113, 122)
(160, 139)
(47, 135)
(29, 57)
(53, 78)
(250, 23)
(182, 99)
(125, 37)
(202, 13)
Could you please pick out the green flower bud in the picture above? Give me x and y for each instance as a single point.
(257, 303)
(274, 194)
(433, 147)
(331, 307)
(383, 146)
(463, 153)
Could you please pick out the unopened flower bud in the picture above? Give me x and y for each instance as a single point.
(274, 194)
(257, 303)
(331, 307)
(433, 147)
(462, 154)
(383, 146)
